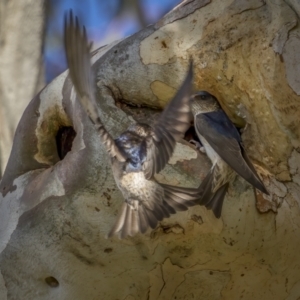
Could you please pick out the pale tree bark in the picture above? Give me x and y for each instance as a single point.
(21, 68)
(55, 213)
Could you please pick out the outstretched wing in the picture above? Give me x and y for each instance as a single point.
(224, 138)
(171, 126)
(78, 56)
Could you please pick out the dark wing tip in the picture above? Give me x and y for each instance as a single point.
(254, 179)
(260, 186)
(210, 199)
(216, 202)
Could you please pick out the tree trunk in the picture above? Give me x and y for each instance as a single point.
(21, 67)
(55, 210)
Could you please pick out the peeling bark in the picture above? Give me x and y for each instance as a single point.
(21, 67)
(54, 213)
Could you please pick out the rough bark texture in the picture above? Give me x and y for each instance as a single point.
(54, 213)
(21, 68)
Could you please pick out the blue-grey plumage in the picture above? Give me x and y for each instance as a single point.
(139, 152)
(223, 145)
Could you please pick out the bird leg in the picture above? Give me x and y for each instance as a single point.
(198, 145)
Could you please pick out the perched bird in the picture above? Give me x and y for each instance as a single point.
(223, 145)
(139, 152)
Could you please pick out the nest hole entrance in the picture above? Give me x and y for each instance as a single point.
(191, 135)
(64, 140)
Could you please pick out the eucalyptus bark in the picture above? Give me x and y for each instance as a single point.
(21, 67)
(55, 212)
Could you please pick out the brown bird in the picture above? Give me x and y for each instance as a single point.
(139, 152)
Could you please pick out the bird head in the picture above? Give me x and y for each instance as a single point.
(204, 102)
(140, 129)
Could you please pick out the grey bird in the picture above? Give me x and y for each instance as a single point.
(139, 152)
(223, 145)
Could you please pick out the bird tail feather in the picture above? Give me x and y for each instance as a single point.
(137, 216)
(210, 199)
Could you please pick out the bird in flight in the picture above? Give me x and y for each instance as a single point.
(139, 152)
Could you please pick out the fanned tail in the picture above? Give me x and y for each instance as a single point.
(138, 216)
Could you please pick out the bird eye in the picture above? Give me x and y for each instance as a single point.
(203, 97)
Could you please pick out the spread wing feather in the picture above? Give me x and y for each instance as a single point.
(171, 126)
(78, 56)
(137, 216)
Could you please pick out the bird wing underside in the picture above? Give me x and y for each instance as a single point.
(171, 126)
(223, 137)
(137, 216)
(78, 56)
